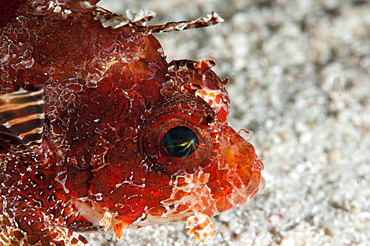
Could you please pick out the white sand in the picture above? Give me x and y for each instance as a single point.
(300, 80)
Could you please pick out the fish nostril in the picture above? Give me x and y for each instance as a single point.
(209, 119)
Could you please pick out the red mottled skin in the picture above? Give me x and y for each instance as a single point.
(110, 96)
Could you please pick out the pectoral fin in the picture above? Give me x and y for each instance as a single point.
(22, 116)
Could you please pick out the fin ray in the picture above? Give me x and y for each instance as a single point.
(22, 115)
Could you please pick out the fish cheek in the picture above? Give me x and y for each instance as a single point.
(128, 190)
(78, 181)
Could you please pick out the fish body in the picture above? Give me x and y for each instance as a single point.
(99, 131)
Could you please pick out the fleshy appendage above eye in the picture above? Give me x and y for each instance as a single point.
(179, 135)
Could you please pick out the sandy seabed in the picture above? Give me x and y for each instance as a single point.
(300, 80)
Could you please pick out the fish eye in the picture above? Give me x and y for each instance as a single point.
(179, 135)
(180, 141)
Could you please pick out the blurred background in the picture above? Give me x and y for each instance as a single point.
(300, 80)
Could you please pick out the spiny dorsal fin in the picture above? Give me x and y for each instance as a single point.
(22, 116)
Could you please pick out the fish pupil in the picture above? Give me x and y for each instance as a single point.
(180, 141)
